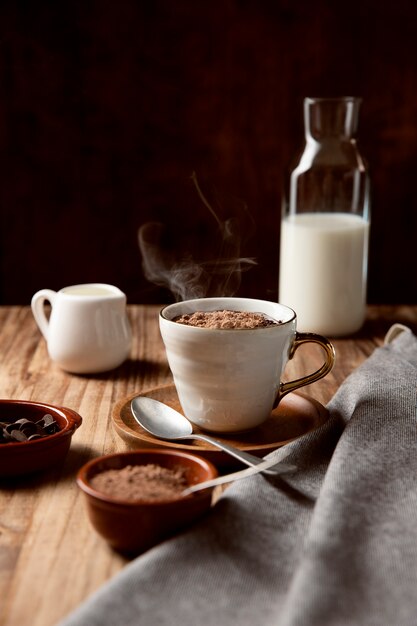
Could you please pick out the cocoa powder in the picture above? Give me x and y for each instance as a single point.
(147, 483)
(226, 319)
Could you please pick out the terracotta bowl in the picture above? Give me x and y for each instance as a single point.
(132, 527)
(18, 458)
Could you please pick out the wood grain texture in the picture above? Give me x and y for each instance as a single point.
(107, 109)
(44, 533)
(50, 558)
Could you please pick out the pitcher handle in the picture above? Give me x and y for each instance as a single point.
(38, 309)
(330, 357)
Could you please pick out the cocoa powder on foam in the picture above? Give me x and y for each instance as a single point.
(147, 483)
(226, 319)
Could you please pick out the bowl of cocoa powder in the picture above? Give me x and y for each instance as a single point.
(134, 499)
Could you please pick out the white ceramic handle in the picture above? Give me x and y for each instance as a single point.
(38, 309)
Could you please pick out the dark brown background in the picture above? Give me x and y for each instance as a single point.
(106, 109)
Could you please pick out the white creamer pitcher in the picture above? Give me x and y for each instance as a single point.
(88, 330)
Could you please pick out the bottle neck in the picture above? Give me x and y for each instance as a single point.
(331, 118)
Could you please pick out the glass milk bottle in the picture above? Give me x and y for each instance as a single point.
(325, 223)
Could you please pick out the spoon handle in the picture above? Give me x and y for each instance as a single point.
(244, 457)
(281, 468)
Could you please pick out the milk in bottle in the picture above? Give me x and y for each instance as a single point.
(325, 223)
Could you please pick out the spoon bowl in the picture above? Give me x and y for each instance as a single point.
(160, 419)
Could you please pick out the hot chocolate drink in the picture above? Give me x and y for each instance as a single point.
(225, 319)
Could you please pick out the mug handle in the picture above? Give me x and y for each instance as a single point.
(330, 356)
(38, 310)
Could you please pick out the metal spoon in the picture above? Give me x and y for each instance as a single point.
(164, 422)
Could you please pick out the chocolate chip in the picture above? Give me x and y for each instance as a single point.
(25, 430)
(22, 422)
(28, 429)
(17, 435)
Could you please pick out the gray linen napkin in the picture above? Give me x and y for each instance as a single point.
(334, 543)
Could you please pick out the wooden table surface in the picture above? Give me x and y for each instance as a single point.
(50, 557)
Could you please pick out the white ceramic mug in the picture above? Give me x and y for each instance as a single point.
(229, 380)
(88, 330)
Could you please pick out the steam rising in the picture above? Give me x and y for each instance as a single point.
(185, 276)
